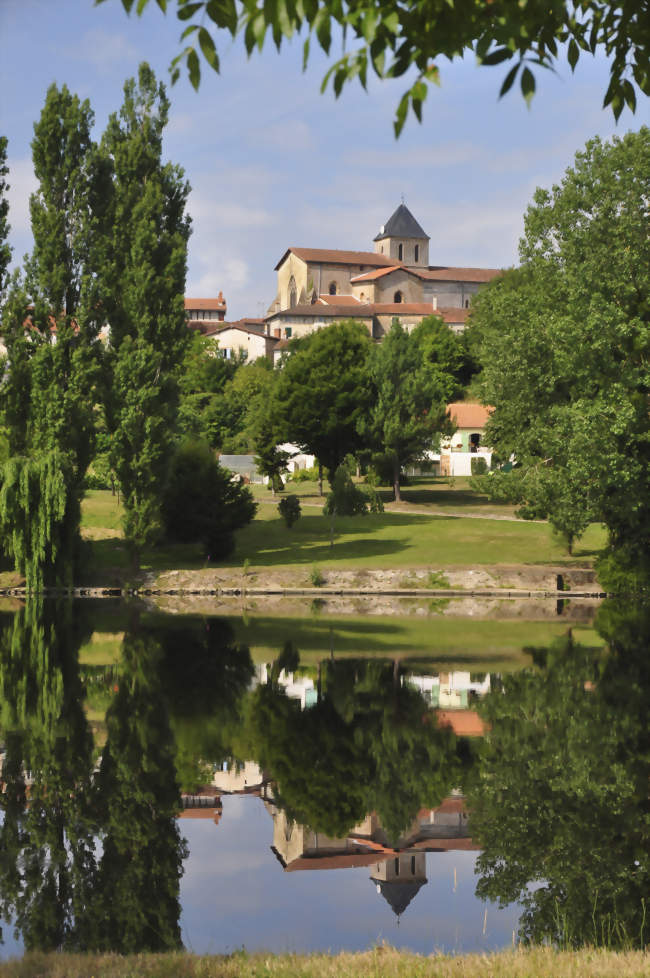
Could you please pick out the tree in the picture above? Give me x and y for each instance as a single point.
(200, 502)
(202, 412)
(560, 799)
(410, 403)
(47, 400)
(391, 40)
(5, 250)
(289, 509)
(270, 460)
(564, 345)
(445, 353)
(143, 277)
(323, 391)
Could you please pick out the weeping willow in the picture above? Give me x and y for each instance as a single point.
(39, 517)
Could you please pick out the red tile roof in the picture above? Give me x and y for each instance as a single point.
(469, 414)
(240, 325)
(447, 273)
(319, 310)
(207, 304)
(377, 273)
(351, 860)
(464, 723)
(337, 300)
(330, 256)
(453, 314)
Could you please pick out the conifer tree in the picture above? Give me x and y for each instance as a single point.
(144, 280)
(48, 396)
(5, 250)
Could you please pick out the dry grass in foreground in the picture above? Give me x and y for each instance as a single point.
(380, 963)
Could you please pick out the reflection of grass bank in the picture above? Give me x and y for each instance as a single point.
(382, 961)
(455, 642)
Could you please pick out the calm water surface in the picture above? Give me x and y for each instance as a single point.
(324, 780)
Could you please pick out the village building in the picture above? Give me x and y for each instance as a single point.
(317, 286)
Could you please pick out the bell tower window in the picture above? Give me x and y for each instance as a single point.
(398, 295)
(332, 288)
(417, 252)
(400, 252)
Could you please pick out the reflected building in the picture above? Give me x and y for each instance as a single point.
(399, 871)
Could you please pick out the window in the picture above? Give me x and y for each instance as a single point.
(287, 332)
(332, 288)
(293, 292)
(398, 295)
(467, 303)
(396, 867)
(400, 252)
(417, 252)
(474, 441)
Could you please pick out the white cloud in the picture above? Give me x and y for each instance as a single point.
(285, 134)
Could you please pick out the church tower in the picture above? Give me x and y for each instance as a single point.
(402, 239)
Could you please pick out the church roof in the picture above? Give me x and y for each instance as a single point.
(376, 273)
(401, 224)
(398, 895)
(447, 273)
(332, 256)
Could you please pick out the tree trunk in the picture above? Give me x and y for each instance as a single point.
(396, 490)
(320, 478)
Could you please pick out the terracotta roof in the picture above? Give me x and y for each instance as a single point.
(407, 308)
(401, 224)
(320, 311)
(468, 414)
(220, 327)
(332, 256)
(337, 300)
(377, 273)
(207, 304)
(282, 344)
(446, 845)
(453, 314)
(447, 273)
(453, 804)
(464, 723)
(351, 860)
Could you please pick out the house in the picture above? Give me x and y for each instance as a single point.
(467, 442)
(319, 286)
(201, 314)
(244, 336)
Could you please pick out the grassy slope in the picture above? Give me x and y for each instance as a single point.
(379, 963)
(389, 540)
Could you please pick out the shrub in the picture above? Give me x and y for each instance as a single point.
(479, 465)
(201, 503)
(306, 475)
(316, 577)
(373, 499)
(345, 499)
(289, 508)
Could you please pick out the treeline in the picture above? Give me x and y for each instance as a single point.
(337, 394)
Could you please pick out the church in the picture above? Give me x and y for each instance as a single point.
(319, 286)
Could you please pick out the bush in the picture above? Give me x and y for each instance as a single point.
(345, 499)
(306, 475)
(289, 508)
(201, 503)
(479, 465)
(374, 500)
(316, 577)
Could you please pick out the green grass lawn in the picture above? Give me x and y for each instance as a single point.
(386, 540)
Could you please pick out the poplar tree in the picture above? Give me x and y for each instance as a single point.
(48, 395)
(144, 280)
(5, 250)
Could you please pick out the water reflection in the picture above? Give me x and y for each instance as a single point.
(360, 763)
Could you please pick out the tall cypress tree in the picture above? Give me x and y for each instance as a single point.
(48, 397)
(5, 250)
(144, 279)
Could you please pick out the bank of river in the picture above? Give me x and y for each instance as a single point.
(378, 963)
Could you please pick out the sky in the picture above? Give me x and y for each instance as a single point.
(273, 163)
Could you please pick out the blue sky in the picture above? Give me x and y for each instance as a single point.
(274, 163)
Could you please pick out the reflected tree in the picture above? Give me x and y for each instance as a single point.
(136, 907)
(47, 836)
(560, 801)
